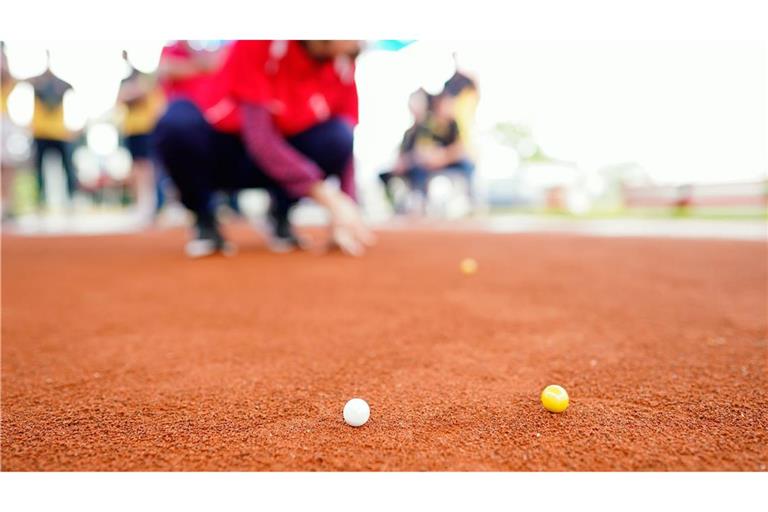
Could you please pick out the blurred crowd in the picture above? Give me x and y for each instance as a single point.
(281, 116)
(141, 100)
(437, 143)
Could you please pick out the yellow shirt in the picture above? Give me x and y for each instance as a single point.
(5, 90)
(140, 117)
(465, 107)
(48, 116)
(48, 122)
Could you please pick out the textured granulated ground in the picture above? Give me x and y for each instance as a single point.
(120, 354)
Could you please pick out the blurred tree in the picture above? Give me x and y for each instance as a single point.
(520, 138)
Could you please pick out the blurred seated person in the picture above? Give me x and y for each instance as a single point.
(430, 146)
(418, 104)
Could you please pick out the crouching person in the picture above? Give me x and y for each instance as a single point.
(278, 115)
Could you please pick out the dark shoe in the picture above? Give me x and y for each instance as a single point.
(280, 235)
(207, 241)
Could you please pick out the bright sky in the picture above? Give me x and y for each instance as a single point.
(684, 111)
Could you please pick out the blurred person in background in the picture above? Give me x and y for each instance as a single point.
(7, 164)
(49, 131)
(463, 89)
(141, 102)
(433, 146)
(418, 104)
(277, 116)
(184, 72)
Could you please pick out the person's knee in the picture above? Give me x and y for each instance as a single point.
(340, 140)
(178, 125)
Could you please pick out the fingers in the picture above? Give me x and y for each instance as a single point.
(349, 232)
(365, 236)
(353, 240)
(347, 242)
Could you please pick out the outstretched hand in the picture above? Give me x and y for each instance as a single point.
(348, 230)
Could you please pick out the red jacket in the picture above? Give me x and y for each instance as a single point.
(296, 89)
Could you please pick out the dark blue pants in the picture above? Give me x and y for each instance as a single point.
(65, 150)
(201, 160)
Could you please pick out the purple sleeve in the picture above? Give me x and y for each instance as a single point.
(348, 180)
(292, 170)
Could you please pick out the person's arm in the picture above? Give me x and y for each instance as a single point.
(405, 152)
(453, 153)
(295, 173)
(402, 163)
(435, 159)
(348, 231)
(300, 177)
(132, 91)
(439, 158)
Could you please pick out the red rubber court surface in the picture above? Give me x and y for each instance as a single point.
(120, 354)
